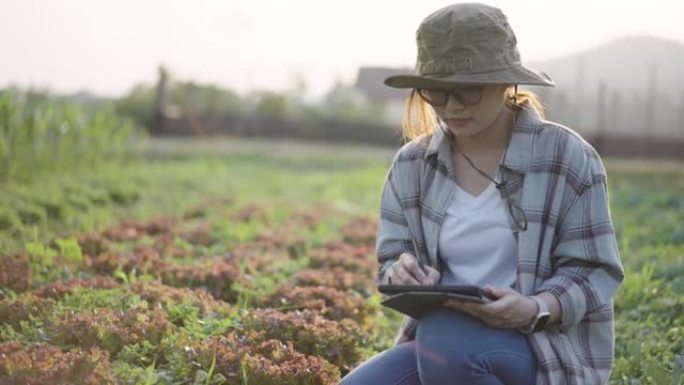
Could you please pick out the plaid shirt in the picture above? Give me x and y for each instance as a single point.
(569, 248)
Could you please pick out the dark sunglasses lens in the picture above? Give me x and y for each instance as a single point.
(470, 95)
(433, 97)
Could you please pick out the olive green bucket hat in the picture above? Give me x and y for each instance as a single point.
(467, 43)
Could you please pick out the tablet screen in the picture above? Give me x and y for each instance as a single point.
(467, 290)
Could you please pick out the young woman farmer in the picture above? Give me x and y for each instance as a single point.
(488, 193)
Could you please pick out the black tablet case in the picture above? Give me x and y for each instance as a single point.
(416, 301)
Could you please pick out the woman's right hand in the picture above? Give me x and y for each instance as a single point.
(406, 271)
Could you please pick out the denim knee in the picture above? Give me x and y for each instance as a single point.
(394, 366)
(453, 346)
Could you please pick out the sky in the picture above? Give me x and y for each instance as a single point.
(107, 46)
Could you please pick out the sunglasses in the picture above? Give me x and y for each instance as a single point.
(466, 96)
(517, 213)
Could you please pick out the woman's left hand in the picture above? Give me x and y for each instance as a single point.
(509, 311)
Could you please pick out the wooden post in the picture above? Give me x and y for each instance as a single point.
(680, 120)
(616, 111)
(650, 102)
(600, 116)
(160, 101)
(578, 97)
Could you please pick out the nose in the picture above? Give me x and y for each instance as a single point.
(454, 104)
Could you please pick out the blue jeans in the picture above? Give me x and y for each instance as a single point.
(451, 347)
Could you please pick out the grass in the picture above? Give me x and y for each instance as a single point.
(170, 177)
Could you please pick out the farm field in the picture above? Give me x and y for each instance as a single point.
(251, 262)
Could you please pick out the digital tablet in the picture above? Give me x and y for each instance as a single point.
(415, 300)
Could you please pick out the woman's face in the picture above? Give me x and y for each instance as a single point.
(465, 120)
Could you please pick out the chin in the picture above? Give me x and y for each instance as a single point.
(464, 131)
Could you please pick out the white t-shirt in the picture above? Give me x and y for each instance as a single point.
(476, 241)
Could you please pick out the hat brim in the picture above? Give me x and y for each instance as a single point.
(512, 75)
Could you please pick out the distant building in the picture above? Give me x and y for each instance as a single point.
(369, 82)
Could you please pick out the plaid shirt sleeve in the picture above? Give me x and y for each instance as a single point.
(393, 236)
(585, 260)
(393, 239)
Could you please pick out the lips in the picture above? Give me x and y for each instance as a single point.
(458, 121)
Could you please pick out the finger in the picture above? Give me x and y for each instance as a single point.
(477, 310)
(455, 304)
(506, 301)
(498, 292)
(470, 311)
(500, 305)
(433, 275)
(390, 274)
(485, 314)
(452, 303)
(411, 265)
(471, 307)
(404, 278)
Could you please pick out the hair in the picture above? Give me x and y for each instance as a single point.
(420, 118)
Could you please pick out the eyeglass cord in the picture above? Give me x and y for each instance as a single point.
(449, 137)
(501, 186)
